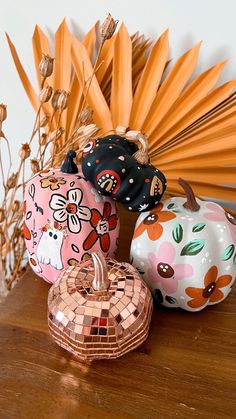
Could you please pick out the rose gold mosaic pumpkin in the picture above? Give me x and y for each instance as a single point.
(100, 309)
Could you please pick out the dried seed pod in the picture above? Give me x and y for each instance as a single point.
(43, 139)
(85, 133)
(86, 116)
(45, 94)
(55, 98)
(2, 237)
(16, 206)
(42, 122)
(108, 27)
(2, 215)
(56, 134)
(63, 100)
(89, 130)
(34, 165)
(60, 100)
(3, 112)
(11, 181)
(46, 66)
(85, 130)
(24, 151)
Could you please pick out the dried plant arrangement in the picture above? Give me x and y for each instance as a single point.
(49, 128)
(111, 82)
(12, 249)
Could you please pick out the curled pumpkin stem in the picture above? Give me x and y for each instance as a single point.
(191, 202)
(141, 155)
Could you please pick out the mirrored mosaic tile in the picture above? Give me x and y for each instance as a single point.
(106, 324)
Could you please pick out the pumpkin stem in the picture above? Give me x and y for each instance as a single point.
(101, 281)
(69, 165)
(141, 156)
(191, 202)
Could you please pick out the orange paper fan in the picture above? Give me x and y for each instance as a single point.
(190, 125)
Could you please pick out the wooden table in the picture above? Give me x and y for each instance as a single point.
(185, 369)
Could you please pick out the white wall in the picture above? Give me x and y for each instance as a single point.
(212, 21)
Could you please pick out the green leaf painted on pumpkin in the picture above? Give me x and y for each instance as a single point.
(177, 233)
(193, 247)
(170, 300)
(198, 227)
(234, 260)
(172, 206)
(228, 253)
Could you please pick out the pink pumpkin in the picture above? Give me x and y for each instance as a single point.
(66, 220)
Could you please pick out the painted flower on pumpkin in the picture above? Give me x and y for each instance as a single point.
(102, 224)
(211, 293)
(34, 263)
(163, 271)
(69, 209)
(52, 182)
(152, 223)
(218, 214)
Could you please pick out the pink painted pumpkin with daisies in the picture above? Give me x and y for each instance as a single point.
(65, 220)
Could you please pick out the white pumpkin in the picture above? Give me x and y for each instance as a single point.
(186, 251)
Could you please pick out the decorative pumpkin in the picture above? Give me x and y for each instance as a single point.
(114, 166)
(186, 251)
(99, 309)
(65, 220)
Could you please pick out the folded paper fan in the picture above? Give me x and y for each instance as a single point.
(190, 125)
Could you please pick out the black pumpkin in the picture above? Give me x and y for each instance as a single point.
(110, 165)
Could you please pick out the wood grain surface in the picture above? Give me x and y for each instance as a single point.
(185, 369)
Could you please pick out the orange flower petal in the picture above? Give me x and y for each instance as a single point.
(223, 280)
(211, 275)
(194, 292)
(26, 232)
(216, 296)
(165, 216)
(197, 302)
(154, 231)
(139, 230)
(44, 183)
(54, 186)
(158, 208)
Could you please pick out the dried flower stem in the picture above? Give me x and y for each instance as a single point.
(12, 249)
(2, 170)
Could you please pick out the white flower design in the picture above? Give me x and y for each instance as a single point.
(69, 209)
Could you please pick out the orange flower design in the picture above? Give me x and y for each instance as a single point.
(211, 293)
(152, 223)
(52, 182)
